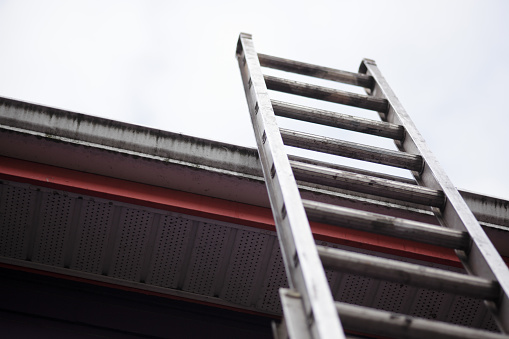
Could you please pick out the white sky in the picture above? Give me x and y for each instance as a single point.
(171, 65)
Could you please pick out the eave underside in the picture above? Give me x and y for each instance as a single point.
(108, 202)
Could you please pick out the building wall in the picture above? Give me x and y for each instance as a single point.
(35, 305)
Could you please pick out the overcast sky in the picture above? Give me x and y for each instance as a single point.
(171, 65)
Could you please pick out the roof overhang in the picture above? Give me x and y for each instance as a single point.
(75, 159)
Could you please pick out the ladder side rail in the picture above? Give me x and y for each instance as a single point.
(302, 263)
(483, 259)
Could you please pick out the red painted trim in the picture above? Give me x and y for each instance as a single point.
(207, 207)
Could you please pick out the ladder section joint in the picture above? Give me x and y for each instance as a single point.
(295, 322)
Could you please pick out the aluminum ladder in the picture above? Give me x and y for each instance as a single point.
(309, 310)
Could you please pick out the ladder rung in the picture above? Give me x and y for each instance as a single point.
(352, 150)
(406, 273)
(352, 169)
(367, 184)
(328, 73)
(326, 94)
(393, 325)
(385, 225)
(328, 118)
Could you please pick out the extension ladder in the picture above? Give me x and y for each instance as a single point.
(309, 310)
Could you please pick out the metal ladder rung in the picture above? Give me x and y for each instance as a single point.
(394, 325)
(344, 121)
(406, 273)
(326, 94)
(352, 169)
(367, 184)
(352, 150)
(357, 79)
(385, 225)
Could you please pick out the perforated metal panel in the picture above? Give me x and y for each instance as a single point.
(353, 289)
(428, 303)
(16, 207)
(489, 323)
(391, 296)
(246, 259)
(275, 279)
(209, 251)
(54, 226)
(131, 241)
(466, 312)
(92, 236)
(232, 264)
(171, 249)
